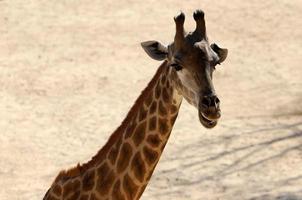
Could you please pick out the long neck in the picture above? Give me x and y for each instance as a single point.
(123, 167)
(143, 135)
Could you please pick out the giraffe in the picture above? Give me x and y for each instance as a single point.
(123, 167)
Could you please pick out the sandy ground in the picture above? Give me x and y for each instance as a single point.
(70, 71)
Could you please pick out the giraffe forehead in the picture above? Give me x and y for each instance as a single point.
(192, 53)
(200, 54)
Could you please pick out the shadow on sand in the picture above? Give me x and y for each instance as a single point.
(287, 196)
(249, 156)
(254, 149)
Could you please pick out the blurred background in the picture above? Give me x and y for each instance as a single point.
(71, 70)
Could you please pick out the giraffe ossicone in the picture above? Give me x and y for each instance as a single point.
(123, 167)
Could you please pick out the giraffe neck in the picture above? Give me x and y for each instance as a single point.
(123, 167)
(136, 152)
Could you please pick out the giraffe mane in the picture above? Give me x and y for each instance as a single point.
(81, 168)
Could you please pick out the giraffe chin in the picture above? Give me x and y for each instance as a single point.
(207, 123)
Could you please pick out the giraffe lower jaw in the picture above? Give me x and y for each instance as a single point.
(207, 123)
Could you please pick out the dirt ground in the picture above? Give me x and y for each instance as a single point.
(70, 71)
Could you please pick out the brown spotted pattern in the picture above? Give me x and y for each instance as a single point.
(139, 133)
(152, 123)
(105, 179)
(57, 190)
(138, 167)
(125, 154)
(88, 180)
(131, 159)
(117, 192)
(130, 187)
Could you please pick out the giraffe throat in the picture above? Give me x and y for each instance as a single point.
(123, 167)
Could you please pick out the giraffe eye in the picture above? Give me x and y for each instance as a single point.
(176, 66)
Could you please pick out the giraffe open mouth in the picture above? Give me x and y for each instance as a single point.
(206, 122)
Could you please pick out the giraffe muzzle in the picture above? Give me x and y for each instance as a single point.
(209, 111)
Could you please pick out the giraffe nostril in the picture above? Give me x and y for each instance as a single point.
(210, 101)
(217, 101)
(206, 102)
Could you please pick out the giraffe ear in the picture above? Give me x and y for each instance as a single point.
(222, 53)
(155, 50)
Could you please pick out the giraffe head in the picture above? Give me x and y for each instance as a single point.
(193, 60)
